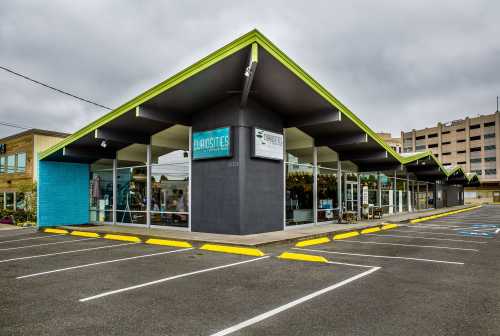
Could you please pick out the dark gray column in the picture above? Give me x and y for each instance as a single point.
(238, 195)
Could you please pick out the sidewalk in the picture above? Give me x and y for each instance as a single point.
(260, 239)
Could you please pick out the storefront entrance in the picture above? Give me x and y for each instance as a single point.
(351, 196)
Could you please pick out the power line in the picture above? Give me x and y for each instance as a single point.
(3, 123)
(53, 88)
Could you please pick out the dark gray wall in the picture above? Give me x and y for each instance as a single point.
(451, 195)
(238, 195)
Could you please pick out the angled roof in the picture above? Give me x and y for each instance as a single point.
(277, 77)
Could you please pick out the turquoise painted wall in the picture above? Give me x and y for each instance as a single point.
(63, 193)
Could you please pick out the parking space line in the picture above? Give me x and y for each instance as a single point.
(102, 263)
(382, 256)
(410, 245)
(16, 240)
(349, 264)
(441, 234)
(63, 242)
(65, 252)
(292, 304)
(170, 278)
(428, 238)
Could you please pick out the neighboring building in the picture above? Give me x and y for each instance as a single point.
(18, 164)
(242, 142)
(395, 143)
(471, 143)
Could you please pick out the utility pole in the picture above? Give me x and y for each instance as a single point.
(497, 103)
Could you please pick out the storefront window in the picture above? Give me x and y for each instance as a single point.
(170, 190)
(328, 203)
(131, 195)
(387, 193)
(101, 196)
(299, 194)
(2, 201)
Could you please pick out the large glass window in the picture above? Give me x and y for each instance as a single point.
(20, 201)
(101, 196)
(387, 193)
(21, 162)
(9, 200)
(2, 201)
(299, 177)
(299, 194)
(131, 195)
(328, 202)
(2, 164)
(170, 190)
(11, 163)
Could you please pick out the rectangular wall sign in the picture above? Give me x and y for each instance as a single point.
(267, 144)
(212, 144)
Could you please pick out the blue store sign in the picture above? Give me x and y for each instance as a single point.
(212, 144)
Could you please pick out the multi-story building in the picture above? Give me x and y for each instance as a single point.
(472, 143)
(18, 165)
(395, 143)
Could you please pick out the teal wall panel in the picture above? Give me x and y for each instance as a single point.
(63, 193)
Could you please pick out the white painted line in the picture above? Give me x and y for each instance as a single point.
(63, 242)
(382, 256)
(410, 245)
(348, 264)
(418, 237)
(169, 278)
(102, 263)
(442, 234)
(66, 252)
(16, 240)
(292, 304)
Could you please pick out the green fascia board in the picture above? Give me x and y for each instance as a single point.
(255, 39)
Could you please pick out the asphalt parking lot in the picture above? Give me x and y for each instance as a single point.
(438, 277)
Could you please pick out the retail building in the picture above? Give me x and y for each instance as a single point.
(243, 141)
(18, 165)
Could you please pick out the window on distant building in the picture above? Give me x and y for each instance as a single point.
(460, 130)
(422, 137)
(447, 153)
(11, 163)
(461, 162)
(433, 135)
(475, 160)
(490, 147)
(477, 172)
(422, 147)
(490, 159)
(473, 138)
(490, 172)
(446, 143)
(433, 146)
(489, 136)
(475, 126)
(460, 140)
(489, 124)
(475, 149)
(445, 132)
(461, 152)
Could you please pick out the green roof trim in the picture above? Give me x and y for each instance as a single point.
(255, 39)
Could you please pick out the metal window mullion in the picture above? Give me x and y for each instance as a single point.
(148, 184)
(284, 178)
(115, 178)
(190, 177)
(315, 185)
(339, 186)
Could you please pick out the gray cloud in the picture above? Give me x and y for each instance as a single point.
(396, 65)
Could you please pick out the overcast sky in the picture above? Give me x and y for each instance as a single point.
(396, 64)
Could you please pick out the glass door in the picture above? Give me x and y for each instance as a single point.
(351, 196)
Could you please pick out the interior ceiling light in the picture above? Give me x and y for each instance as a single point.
(103, 144)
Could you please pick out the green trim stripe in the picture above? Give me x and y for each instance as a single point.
(255, 39)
